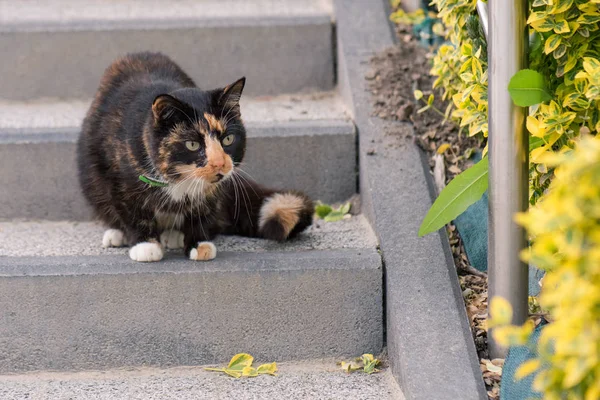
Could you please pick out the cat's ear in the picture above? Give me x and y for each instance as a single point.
(166, 106)
(229, 97)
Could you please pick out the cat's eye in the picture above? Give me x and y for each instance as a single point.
(228, 140)
(192, 145)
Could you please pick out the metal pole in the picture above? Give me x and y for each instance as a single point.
(482, 10)
(509, 163)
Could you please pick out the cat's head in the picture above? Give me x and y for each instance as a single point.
(198, 135)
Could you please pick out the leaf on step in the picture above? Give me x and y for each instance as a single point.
(240, 361)
(323, 210)
(249, 371)
(345, 209)
(270, 369)
(349, 367)
(367, 363)
(230, 372)
(235, 374)
(370, 367)
(330, 214)
(241, 365)
(334, 216)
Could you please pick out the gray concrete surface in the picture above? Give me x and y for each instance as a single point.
(304, 142)
(69, 238)
(61, 48)
(26, 121)
(106, 311)
(428, 337)
(309, 380)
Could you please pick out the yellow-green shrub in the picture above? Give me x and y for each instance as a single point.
(565, 49)
(564, 223)
(565, 228)
(461, 67)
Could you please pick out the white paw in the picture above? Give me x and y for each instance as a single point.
(203, 252)
(113, 238)
(146, 252)
(172, 239)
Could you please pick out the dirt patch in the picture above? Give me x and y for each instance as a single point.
(395, 75)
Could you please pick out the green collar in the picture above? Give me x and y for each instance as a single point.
(152, 181)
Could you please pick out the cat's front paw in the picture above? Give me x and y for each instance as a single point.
(172, 239)
(283, 215)
(203, 252)
(146, 252)
(113, 238)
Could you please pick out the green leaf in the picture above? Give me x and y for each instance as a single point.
(535, 142)
(232, 373)
(235, 374)
(552, 43)
(369, 368)
(249, 371)
(464, 190)
(240, 361)
(527, 87)
(323, 210)
(334, 216)
(418, 94)
(270, 369)
(345, 208)
(349, 367)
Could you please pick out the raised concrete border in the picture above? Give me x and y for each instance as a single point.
(61, 48)
(429, 341)
(102, 312)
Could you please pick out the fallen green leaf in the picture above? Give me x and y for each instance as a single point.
(323, 210)
(527, 88)
(345, 208)
(270, 369)
(464, 190)
(330, 214)
(241, 365)
(349, 367)
(235, 374)
(367, 363)
(370, 367)
(334, 216)
(240, 361)
(249, 371)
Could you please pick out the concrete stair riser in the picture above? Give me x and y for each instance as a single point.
(284, 52)
(39, 177)
(94, 312)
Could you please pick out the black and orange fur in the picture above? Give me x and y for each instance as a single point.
(144, 116)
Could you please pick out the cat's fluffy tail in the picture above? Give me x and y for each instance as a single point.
(285, 214)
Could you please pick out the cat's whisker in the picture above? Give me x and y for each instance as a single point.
(244, 196)
(235, 200)
(246, 180)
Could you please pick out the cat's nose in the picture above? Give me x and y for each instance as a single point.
(218, 162)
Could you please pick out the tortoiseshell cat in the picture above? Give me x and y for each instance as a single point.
(149, 119)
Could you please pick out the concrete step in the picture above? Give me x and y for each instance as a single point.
(68, 304)
(310, 380)
(304, 142)
(59, 48)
